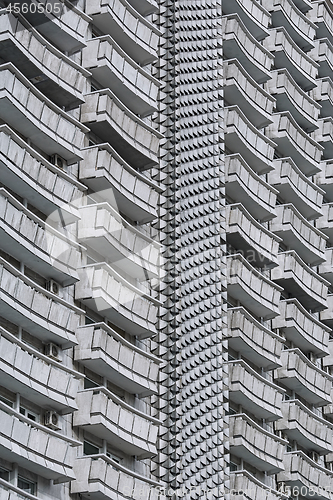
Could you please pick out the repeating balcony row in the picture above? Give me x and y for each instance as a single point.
(324, 135)
(322, 53)
(325, 223)
(324, 178)
(245, 486)
(323, 94)
(321, 15)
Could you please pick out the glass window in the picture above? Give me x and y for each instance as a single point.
(26, 485)
(4, 474)
(90, 449)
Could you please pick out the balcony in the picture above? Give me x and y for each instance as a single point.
(29, 112)
(136, 195)
(247, 487)
(135, 34)
(135, 141)
(321, 15)
(243, 138)
(100, 478)
(290, 97)
(262, 449)
(328, 360)
(323, 93)
(252, 340)
(326, 316)
(324, 135)
(144, 7)
(57, 76)
(294, 187)
(300, 471)
(108, 417)
(256, 243)
(102, 289)
(30, 240)
(299, 234)
(301, 281)
(10, 492)
(241, 89)
(300, 28)
(299, 374)
(253, 392)
(43, 381)
(288, 55)
(34, 447)
(326, 268)
(107, 353)
(325, 223)
(240, 44)
(114, 69)
(254, 16)
(291, 140)
(104, 230)
(324, 179)
(300, 424)
(323, 54)
(302, 328)
(257, 196)
(254, 291)
(39, 312)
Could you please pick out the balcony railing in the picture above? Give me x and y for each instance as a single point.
(245, 487)
(108, 417)
(253, 340)
(299, 374)
(296, 188)
(240, 44)
(301, 281)
(324, 135)
(101, 288)
(262, 449)
(323, 54)
(257, 196)
(302, 328)
(253, 392)
(321, 14)
(135, 34)
(254, 16)
(10, 492)
(107, 353)
(299, 234)
(243, 138)
(256, 292)
(135, 141)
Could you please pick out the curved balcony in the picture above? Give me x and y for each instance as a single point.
(288, 54)
(42, 380)
(136, 195)
(100, 478)
(291, 140)
(135, 141)
(323, 93)
(299, 234)
(290, 97)
(30, 240)
(294, 187)
(57, 76)
(243, 138)
(38, 311)
(108, 417)
(245, 486)
(104, 230)
(326, 268)
(114, 69)
(299, 374)
(34, 447)
(101, 288)
(256, 292)
(262, 449)
(324, 179)
(326, 316)
(252, 340)
(324, 135)
(298, 25)
(325, 223)
(257, 196)
(144, 7)
(256, 243)
(254, 16)
(241, 89)
(323, 54)
(253, 392)
(32, 177)
(301, 328)
(135, 34)
(321, 15)
(300, 424)
(107, 353)
(240, 44)
(29, 112)
(301, 471)
(301, 281)
(10, 492)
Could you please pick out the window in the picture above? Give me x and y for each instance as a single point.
(113, 457)
(26, 485)
(90, 449)
(29, 414)
(4, 474)
(90, 384)
(233, 467)
(6, 401)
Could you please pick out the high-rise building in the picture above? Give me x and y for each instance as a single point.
(166, 249)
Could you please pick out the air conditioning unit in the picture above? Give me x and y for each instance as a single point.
(51, 420)
(52, 286)
(58, 161)
(53, 351)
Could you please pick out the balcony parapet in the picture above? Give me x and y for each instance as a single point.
(299, 234)
(253, 392)
(324, 135)
(302, 328)
(240, 44)
(107, 353)
(254, 16)
(323, 94)
(299, 374)
(321, 15)
(301, 281)
(322, 53)
(247, 487)
(242, 137)
(10, 492)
